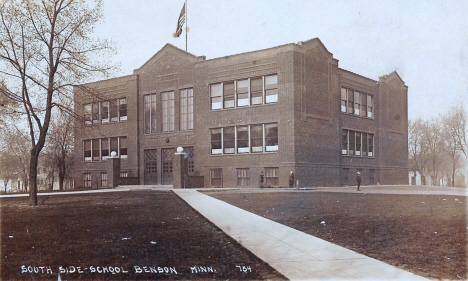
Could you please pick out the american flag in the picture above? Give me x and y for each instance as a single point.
(180, 23)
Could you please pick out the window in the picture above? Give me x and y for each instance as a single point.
(344, 142)
(190, 109)
(87, 150)
(186, 109)
(344, 100)
(123, 109)
(124, 174)
(256, 91)
(87, 180)
(350, 102)
(216, 176)
(357, 103)
(150, 113)
(95, 150)
(105, 112)
(243, 139)
(100, 149)
(168, 111)
(216, 143)
(357, 143)
(114, 145)
(104, 149)
(96, 113)
(352, 142)
(123, 147)
(216, 92)
(88, 113)
(103, 179)
(229, 140)
(271, 137)
(370, 106)
(271, 89)
(364, 105)
(243, 92)
(364, 144)
(229, 94)
(271, 177)
(371, 145)
(256, 138)
(243, 177)
(113, 111)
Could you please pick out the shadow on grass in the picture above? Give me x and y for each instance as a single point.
(118, 236)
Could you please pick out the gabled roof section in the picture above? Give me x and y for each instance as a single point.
(315, 42)
(171, 49)
(392, 76)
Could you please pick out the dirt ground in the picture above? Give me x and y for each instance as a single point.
(138, 235)
(424, 234)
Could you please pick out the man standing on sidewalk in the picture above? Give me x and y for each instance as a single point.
(261, 179)
(291, 179)
(358, 180)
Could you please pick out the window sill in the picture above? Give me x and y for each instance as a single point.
(246, 153)
(353, 115)
(357, 156)
(102, 161)
(104, 123)
(245, 106)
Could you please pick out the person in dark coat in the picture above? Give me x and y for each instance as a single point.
(358, 180)
(291, 179)
(261, 179)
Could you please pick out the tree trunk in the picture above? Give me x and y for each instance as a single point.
(33, 178)
(61, 175)
(453, 173)
(51, 187)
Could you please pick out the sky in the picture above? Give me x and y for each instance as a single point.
(426, 42)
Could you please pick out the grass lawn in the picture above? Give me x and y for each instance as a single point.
(135, 235)
(424, 234)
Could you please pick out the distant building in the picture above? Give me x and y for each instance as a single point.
(287, 108)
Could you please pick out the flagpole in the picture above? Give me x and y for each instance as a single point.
(186, 22)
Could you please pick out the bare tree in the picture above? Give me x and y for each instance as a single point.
(418, 147)
(459, 128)
(434, 140)
(453, 127)
(14, 154)
(8, 169)
(60, 147)
(45, 49)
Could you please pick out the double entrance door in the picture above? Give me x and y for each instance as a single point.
(167, 157)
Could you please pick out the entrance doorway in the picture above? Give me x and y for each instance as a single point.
(151, 166)
(166, 155)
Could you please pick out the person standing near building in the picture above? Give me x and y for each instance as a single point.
(291, 179)
(261, 179)
(358, 180)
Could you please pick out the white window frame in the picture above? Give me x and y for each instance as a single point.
(219, 104)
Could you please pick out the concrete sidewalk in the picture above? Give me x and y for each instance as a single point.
(400, 189)
(296, 255)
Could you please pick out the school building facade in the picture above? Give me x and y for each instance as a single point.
(287, 108)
